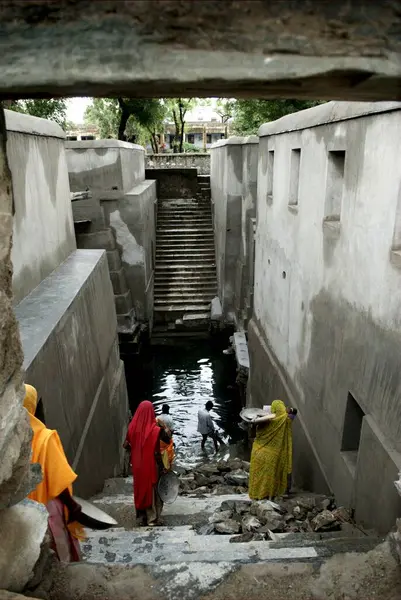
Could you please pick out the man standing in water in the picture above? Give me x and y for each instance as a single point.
(206, 426)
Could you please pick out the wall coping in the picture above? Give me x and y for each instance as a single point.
(179, 154)
(323, 114)
(29, 125)
(96, 144)
(236, 140)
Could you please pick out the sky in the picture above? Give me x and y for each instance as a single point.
(76, 108)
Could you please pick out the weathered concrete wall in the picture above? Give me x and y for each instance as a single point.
(43, 226)
(122, 215)
(105, 165)
(174, 182)
(326, 299)
(319, 49)
(198, 160)
(68, 329)
(132, 219)
(233, 187)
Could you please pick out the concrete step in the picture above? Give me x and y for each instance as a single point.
(159, 546)
(179, 299)
(184, 230)
(178, 284)
(194, 267)
(161, 294)
(184, 259)
(183, 241)
(178, 251)
(182, 308)
(165, 288)
(182, 237)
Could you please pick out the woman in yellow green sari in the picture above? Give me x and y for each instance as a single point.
(271, 459)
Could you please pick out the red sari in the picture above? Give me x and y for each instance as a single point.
(143, 438)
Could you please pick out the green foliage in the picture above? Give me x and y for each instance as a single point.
(127, 118)
(54, 109)
(225, 109)
(105, 114)
(176, 109)
(249, 115)
(191, 148)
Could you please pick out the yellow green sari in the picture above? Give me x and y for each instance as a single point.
(271, 459)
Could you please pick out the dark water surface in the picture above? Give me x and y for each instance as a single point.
(186, 377)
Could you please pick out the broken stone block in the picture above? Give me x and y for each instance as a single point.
(250, 523)
(259, 537)
(23, 530)
(207, 529)
(228, 527)
(201, 479)
(223, 467)
(242, 538)
(238, 477)
(208, 469)
(218, 517)
(216, 312)
(242, 506)
(324, 521)
(228, 505)
(342, 514)
(223, 490)
(246, 466)
(215, 480)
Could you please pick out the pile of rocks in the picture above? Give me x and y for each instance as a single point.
(261, 520)
(223, 477)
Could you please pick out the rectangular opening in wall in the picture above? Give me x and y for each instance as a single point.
(294, 177)
(270, 174)
(334, 185)
(352, 432)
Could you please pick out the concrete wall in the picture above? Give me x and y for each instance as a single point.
(174, 182)
(68, 330)
(326, 333)
(122, 214)
(233, 188)
(43, 225)
(200, 161)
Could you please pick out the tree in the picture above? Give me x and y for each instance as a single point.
(105, 113)
(225, 109)
(54, 109)
(177, 108)
(249, 115)
(124, 118)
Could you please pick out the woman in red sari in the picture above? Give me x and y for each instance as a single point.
(143, 438)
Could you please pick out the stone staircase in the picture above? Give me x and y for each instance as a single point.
(185, 565)
(185, 272)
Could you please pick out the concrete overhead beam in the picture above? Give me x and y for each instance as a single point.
(243, 48)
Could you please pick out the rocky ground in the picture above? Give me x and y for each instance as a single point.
(257, 521)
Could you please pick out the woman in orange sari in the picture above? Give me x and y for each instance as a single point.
(166, 448)
(55, 490)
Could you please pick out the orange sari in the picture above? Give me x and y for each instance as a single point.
(166, 450)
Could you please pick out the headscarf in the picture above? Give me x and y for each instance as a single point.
(143, 437)
(48, 451)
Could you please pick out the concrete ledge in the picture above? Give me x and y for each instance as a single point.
(236, 140)
(98, 144)
(142, 187)
(323, 114)
(29, 125)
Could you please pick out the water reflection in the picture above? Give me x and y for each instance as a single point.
(186, 378)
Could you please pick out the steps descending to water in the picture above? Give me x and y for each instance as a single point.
(187, 565)
(185, 271)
